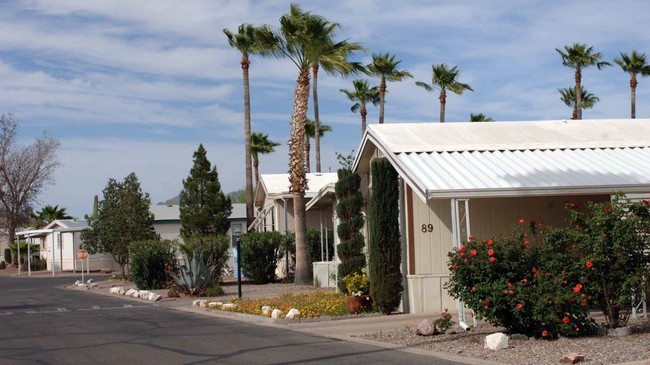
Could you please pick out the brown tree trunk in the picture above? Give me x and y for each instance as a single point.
(633, 84)
(578, 91)
(297, 176)
(316, 121)
(307, 157)
(443, 101)
(256, 165)
(574, 116)
(382, 93)
(364, 113)
(250, 215)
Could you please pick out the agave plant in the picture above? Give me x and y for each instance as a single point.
(195, 274)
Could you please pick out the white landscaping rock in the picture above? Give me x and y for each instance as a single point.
(213, 305)
(121, 291)
(153, 297)
(143, 294)
(76, 283)
(203, 303)
(116, 290)
(229, 307)
(426, 327)
(266, 310)
(277, 313)
(90, 281)
(129, 293)
(496, 341)
(293, 314)
(135, 294)
(196, 303)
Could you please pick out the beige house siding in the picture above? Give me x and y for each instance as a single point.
(488, 217)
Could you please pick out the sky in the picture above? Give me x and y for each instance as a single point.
(136, 86)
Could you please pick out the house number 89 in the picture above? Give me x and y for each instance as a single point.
(427, 228)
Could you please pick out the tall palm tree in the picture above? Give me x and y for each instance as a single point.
(362, 94)
(568, 96)
(296, 40)
(444, 78)
(333, 58)
(480, 117)
(260, 145)
(244, 41)
(578, 57)
(634, 64)
(310, 132)
(384, 66)
(48, 214)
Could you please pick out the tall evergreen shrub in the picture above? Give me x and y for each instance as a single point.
(348, 210)
(384, 243)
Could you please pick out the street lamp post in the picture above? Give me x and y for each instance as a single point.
(237, 235)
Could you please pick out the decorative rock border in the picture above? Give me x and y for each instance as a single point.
(142, 294)
(90, 284)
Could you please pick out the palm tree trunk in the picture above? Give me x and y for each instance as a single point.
(307, 157)
(364, 113)
(245, 63)
(633, 96)
(297, 176)
(256, 165)
(382, 93)
(578, 77)
(443, 101)
(316, 120)
(574, 116)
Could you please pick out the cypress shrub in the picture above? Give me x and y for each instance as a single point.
(384, 241)
(348, 210)
(151, 261)
(8, 255)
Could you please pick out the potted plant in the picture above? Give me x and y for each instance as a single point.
(356, 288)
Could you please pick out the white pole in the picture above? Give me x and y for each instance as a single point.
(82, 271)
(18, 247)
(29, 256)
(320, 212)
(53, 255)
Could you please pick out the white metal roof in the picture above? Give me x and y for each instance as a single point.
(276, 186)
(515, 158)
(172, 212)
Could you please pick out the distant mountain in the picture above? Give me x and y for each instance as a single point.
(237, 196)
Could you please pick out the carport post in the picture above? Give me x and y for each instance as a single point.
(18, 247)
(29, 256)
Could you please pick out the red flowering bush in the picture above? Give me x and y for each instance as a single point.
(613, 239)
(526, 282)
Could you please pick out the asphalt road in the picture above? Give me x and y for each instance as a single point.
(43, 323)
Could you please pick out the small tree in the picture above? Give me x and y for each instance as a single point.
(260, 252)
(204, 208)
(384, 243)
(123, 217)
(348, 209)
(24, 172)
(151, 263)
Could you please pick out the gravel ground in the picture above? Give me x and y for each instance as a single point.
(597, 350)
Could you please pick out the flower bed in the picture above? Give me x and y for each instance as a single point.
(314, 304)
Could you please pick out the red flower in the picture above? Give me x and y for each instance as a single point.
(519, 305)
(550, 302)
(472, 252)
(544, 333)
(566, 320)
(473, 288)
(454, 267)
(505, 292)
(589, 264)
(525, 280)
(492, 259)
(577, 288)
(491, 252)
(511, 292)
(470, 237)
(577, 329)
(574, 206)
(646, 202)
(583, 303)
(462, 254)
(509, 285)
(525, 243)
(462, 248)
(522, 221)
(534, 269)
(465, 260)
(607, 208)
(490, 243)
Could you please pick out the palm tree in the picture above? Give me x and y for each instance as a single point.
(244, 41)
(310, 132)
(634, 64)
(362, 95)
(578, 57)
(480, 117)
(384, 66)
(296, 40)
(444, 78)
(48, 214)
(568, 96)
(333, 58)
(260, 145)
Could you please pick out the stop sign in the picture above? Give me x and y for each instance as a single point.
(82, 254)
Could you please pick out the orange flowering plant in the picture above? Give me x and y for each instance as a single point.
(526, 282)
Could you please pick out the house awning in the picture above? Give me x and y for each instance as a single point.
(469, 160)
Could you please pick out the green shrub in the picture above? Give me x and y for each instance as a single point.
(384, 241)
(528, 283)
(151, 262)
(3, 265)
(214, 291)
(38, 264)
(214, 249)
(612, 239)
(8, 255)
(348, 209)
(260, 252)
(314, 244)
